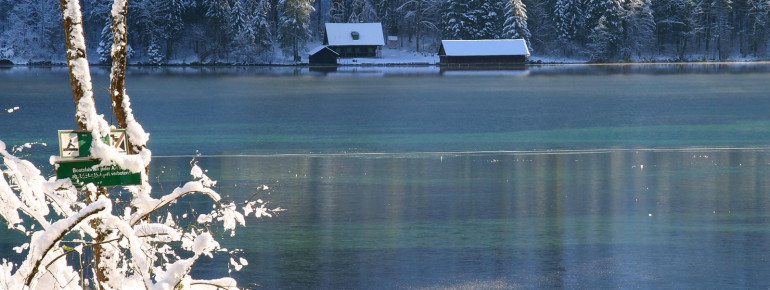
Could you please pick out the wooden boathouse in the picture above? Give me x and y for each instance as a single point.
(323, 56)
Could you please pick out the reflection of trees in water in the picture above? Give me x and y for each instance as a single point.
(533, 220)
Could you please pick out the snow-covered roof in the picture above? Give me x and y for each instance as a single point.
(342, 33)
(319, 48)
(485, 47)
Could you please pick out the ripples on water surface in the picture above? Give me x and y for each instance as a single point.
(573, 176)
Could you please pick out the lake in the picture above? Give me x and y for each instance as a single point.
(638, 176)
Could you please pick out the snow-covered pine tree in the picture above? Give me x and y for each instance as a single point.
(240, 19)
(541, 25)
(155, 53)
(245, 48)
(294, 25)
(264, 36)
(171, 23)
(458, 22)
(640, 28)
(569, 21)
(515, 25)
(172, 16)
(599, 42)
(219, 29)
(98, 16)
(149, 24)
(606, 35)
(105, 43)
(492, 19)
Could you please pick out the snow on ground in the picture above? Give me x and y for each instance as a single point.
(394, 57)
(556, 60)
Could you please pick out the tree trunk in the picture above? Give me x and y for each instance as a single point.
(117, 92)
(418, 25)
(295, 48)
(118, 72)
(73, 29)
(80, 78)
(319, 21)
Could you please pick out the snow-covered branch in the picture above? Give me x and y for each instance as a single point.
(147, 207)
(35, 192)
(43, 241)
(128, 251)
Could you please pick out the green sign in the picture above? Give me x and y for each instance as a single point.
(75, 143)
(82, 171)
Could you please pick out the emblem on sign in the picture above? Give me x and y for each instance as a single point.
(69, 145)
(118, 140)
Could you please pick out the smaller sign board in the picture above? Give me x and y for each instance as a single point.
(118, 140)
(76, 143)
(82, 171)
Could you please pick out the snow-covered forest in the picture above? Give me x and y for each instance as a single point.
(273, 31)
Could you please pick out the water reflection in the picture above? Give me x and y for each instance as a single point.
(422, 70)
(584, 219)
(659, 219)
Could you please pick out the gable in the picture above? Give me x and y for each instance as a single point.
(338, 34)
(324, 49)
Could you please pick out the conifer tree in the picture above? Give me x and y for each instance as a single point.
(640, 28)
(295, 24)
(568, 20)
(459, 22)
(492, 19)
(218, 29)
(261, 17)
(516, 21)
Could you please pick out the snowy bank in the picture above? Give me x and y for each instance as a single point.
(394, 57)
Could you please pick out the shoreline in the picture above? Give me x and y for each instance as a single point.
(383, 62)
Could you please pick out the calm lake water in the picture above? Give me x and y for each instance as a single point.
(593, 177)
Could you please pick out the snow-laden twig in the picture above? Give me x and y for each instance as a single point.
(216, 284)
(35, 192)
(44, 241)
(149, 206)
